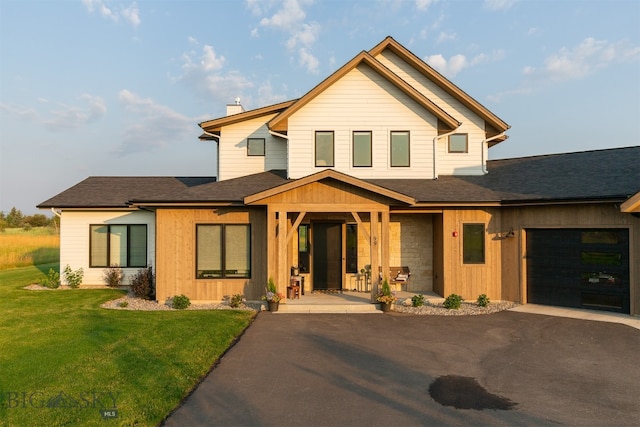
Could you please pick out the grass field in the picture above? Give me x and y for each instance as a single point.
(64, 361)
(21, 248)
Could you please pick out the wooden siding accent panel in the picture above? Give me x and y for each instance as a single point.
(448, 163)
(232, 149)
(176, 254)
(74, 240)
(328, 195)
(362, 100)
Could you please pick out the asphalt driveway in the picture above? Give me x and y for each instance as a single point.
(506, 368)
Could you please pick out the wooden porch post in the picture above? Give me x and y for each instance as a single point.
(272, 252)
(283, 276)
(375, 260)
(384, 245)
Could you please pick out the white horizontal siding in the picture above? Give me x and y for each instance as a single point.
(362, 101)
(233, 159)
(470, 163)
(74, 240)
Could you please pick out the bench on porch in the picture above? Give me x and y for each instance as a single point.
(398, 276)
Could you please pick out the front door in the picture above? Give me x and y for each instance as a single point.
(327, 256)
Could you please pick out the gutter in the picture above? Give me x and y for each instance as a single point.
(217, 139)
(486, 141)
(56, 213)
(435, 150)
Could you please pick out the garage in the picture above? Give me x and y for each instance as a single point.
(583, 268)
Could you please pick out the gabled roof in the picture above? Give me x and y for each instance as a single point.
(216, 124)
(329, 174)
(279, 123)
(389, 43)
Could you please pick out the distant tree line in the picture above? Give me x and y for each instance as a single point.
(16, 219)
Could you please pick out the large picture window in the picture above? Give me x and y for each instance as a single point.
(122, 245)
(473, 243)
(400, 149)
(361, 149)
(324, 148)
(223, 251)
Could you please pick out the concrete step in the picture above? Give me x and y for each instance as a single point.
(329, 308)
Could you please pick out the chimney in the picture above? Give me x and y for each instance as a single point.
(234, 108)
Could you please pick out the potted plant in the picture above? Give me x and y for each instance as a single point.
(272, 296)
(385, 297)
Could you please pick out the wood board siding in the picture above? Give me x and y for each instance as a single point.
(233, 159)
(362, 101)
(176, 254)
(74, 240)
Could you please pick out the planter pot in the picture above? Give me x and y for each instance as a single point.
(273, 306)
(385, 306)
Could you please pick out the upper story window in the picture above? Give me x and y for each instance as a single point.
(324, 148)
(121, 245)
(361, 148)
(223, 250)
(458, 143)
(255, 147)
(473, 243)
(400, 148)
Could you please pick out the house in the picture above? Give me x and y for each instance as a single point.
(382, 164)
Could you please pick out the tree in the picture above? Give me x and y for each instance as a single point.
(15, 218)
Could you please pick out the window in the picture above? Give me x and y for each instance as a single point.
(324, 148)
(121, 245)
(361, 149)
(352, 248)
(223, 251)
(458, 143)
(255, 147)
(473, 243)
(303, 248)
(400, 148)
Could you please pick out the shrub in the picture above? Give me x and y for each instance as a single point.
(180, 302)
(417, 300)
(483, 300)
(73, 277)
(143, 283)
(236, 300)
(453, 301)
(113, 276)
(123, 304)
(52, 280)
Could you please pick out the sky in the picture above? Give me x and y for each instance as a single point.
(100, 87)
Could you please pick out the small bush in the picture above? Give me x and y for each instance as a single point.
(452, 302)
(113, 276)
(52, 280)
(123, 304)
(236, 300)
(417, 300)
(180, 302)
(483, 300)
(142, 283)
(73, 277)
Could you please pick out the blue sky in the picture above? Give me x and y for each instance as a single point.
(99, 87)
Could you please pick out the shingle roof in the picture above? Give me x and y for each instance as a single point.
(612, 174)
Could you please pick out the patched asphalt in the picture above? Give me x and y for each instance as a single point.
(506, 368)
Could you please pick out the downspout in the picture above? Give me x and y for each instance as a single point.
(217, 138)
(435, 150)
(486, 141)
(55, 212)
(286, 137)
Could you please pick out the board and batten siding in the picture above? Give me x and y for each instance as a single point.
(233, 159)
(470, 163)
(362, 101)
(74, 240)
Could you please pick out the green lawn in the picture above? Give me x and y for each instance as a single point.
(63, 359)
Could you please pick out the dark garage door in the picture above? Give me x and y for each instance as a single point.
(583, 268)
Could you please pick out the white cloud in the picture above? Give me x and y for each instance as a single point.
(457, 63)
(582, 60)
(499, 4)
(291, 19)
(424, 4)
(444, 36)
(61, 116)
(130, 14)
(152, 125)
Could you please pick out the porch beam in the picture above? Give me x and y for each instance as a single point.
(361, 227)
(317, 207)
(295, 226)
